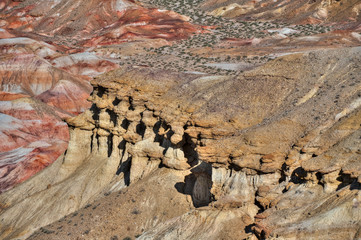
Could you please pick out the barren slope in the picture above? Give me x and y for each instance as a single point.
(248, 149)
(302, 11)
(46, 53)
(243, 124)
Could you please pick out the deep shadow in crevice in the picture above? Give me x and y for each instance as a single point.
(162, 139)
(158, 138)
(169, 133)
(113, 117)
(248, 229)
(298, 176)
(131, 107)
(189, 151)
(140, 128)
(234, 167)
(346, 180)
(125, 169)
(156, 128)
(116, 101)
(259, 205)
(96, 111)
(283, 175)
(125, 124)
(92, 143)
(198, 185)
(100, 91)
(121, 147)
(97, 139)
(355, 185)
(110, 144)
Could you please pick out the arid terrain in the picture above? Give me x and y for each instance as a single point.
(206, 119)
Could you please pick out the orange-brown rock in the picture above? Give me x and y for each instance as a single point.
(272, 152)
(44, 51)
(233, 153)
(302, 11)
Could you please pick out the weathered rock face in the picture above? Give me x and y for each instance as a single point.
(297, 12)
(33, 133)
(253, 150)
(106, 22)
(46, 54)
(33, 136)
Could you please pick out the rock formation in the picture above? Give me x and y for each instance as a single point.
(255, 149)
(45, 53)
(303, 11)
(249, 130)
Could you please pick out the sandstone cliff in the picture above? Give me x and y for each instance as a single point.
(47, 58)
(274, 150)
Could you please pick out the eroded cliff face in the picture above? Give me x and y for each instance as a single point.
(48, 55)
(274, 150)
(302, 11)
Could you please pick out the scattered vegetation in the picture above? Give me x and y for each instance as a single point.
(184, 56)
(46, 231)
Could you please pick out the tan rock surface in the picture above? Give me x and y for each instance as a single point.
(252, 142)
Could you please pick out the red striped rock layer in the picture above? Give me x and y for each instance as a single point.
(33, 136)
(91, 23)
(34, 76)
(45, 68)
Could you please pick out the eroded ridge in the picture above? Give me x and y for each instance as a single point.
(257, 151)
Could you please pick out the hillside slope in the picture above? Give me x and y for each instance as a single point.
(257, 146)
(48, 55)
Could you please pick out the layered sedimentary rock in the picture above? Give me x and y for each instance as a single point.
(33, 136)
(303, 11)
(253, 150)
(46, 53)
(106, 22)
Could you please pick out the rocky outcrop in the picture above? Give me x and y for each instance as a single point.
(253, 150)
(33, 133)
(33, 136)
(296, 12)
(106, 22)
(46, 50)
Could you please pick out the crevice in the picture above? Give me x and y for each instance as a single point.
(96, 111)
(113, 117)
(110, 144)
(92, 142)
(125, 124)
(140, 128)
(100, 91)
(116, 101)
(283, 173)
(345, 180)
(259, 205)
(131, 107)
(156, 128)
(97, 139)
(125, 169)
(189, 151)
(121, 146)
(198, 185)
(234, 167)
(169, 133)
(298, 176)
